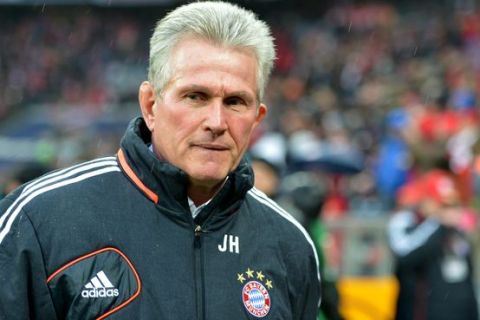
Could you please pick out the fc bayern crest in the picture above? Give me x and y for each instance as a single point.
(256, 299)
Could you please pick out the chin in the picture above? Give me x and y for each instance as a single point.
(209, 178)
(212, 179)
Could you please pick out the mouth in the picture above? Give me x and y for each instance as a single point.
(211, 146)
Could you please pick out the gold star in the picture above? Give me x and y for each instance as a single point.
(260, 275)
(240, 277)
(249, 273)
(268, 283)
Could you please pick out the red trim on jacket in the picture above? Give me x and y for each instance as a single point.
(131, 174)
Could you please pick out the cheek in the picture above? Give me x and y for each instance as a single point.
(241, 133)
(176, 127)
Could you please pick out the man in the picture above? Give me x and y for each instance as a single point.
(433, 253)
(170, 228)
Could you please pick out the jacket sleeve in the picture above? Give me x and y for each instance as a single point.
(24, 293)
(305, 284)
(414, 243)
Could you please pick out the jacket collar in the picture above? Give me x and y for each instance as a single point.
(165, 184)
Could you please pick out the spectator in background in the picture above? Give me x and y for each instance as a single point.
(267, 156)
(393, 159)
(430, 241)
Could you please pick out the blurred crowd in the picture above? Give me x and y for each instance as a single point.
(365, 100)
(70, 56)
(375, 97)
(371, 95)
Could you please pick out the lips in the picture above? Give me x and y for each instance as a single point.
(211, 146)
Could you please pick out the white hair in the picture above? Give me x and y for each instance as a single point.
(220, 22)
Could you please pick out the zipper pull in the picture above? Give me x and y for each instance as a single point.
(198, 231)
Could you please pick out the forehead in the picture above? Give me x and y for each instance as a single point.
(199, 50)
(199, 61)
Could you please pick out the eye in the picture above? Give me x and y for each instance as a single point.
(235, 101)
(195, 96)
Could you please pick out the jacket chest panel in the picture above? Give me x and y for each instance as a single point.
(228, 272)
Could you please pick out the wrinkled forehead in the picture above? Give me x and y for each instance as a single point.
(190, 37)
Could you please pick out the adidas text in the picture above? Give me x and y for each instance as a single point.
(99, 293)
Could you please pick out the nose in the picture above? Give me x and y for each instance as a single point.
(215, 119)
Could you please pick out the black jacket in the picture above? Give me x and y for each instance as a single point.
(434, 270)
(114, 238)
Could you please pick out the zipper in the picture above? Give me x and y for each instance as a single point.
(199, 268)
(198, 231)
(199, 274)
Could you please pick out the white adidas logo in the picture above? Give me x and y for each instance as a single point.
(99, 287)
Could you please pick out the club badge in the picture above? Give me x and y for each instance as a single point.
(255, 295)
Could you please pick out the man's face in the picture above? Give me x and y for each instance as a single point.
(203, 120)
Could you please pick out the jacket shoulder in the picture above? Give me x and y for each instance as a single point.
(61, 179)
(273, 216)
(289, 235)
(48, 189)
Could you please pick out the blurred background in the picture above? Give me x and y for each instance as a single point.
(366, 97)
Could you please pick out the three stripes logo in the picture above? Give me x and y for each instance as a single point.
(99, 287)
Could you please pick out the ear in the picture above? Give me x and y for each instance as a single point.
(261, 113)
(146, 99)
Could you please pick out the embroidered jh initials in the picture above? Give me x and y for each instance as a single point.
(230, 242)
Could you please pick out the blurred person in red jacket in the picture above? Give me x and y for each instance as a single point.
(429, 238)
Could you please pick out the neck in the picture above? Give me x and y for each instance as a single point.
(201, 193)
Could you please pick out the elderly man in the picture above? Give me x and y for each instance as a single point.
(170, 228)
